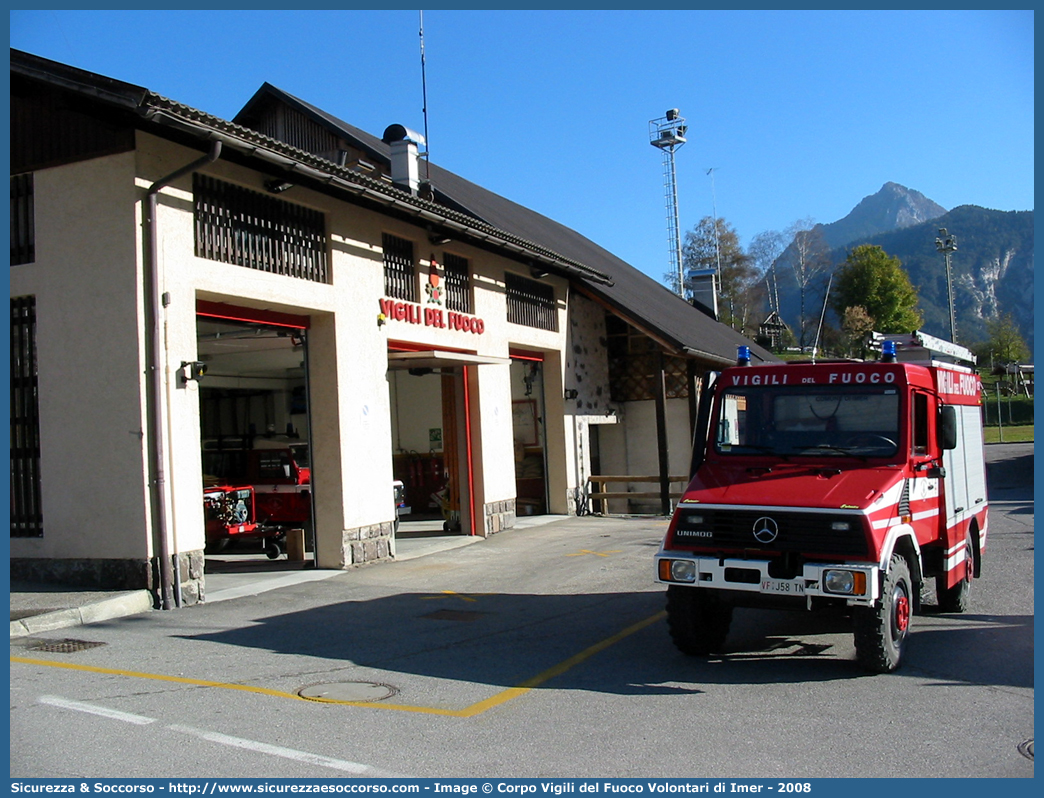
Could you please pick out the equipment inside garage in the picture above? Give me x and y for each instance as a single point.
(254, 438)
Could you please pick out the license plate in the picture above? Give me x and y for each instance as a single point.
(782, 586)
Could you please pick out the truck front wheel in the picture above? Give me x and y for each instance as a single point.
(697, 620)
(881, 630)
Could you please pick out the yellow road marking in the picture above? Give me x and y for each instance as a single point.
(461, 596)
(468, 712)
(582, 552)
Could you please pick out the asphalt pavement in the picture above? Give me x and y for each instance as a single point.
(234, 573)
(39, 608)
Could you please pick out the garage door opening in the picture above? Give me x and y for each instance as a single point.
(431, 426)
(528, 430)
(254, 437)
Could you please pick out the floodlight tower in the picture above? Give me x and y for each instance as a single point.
(946, 245)
(668, 134)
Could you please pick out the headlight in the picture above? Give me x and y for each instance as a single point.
(848, 583)
(840, 526)
(683, 571)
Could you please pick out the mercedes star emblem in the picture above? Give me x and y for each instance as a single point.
(765, 529)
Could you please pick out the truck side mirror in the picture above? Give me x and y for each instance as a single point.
(946, 427)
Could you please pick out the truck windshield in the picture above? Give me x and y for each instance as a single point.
(808, 421)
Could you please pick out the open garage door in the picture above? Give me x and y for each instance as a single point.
(254, 427)
(431, 425)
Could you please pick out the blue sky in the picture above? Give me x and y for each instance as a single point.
(800, 114)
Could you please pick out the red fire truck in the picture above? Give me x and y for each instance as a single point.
(837, 483)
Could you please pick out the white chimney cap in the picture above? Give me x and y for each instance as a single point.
(394, 133)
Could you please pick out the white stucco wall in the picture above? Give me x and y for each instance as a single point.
(87, 282)
(629, 447)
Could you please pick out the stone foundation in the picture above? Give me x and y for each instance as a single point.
(367, 543)
(93, 574)
(498, 516)
(90, 574)
(191, 565)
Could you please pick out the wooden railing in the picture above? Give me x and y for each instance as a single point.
(597, 490)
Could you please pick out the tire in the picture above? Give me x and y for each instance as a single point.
(881, 630)
(273, 550)
(957, 598)
(698, 621)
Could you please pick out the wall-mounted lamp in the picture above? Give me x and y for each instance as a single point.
(538, 273)
(192, 371)
(278, 186)
(438, 239)
(571, 393)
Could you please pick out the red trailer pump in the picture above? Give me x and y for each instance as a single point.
(833, 483)
(278, 471)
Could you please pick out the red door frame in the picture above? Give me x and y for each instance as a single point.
(272, 318)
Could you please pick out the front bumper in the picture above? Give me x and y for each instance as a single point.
(817, 580)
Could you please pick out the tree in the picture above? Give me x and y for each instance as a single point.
(763, 252)
(877, 282)
(1005, 344)
(714, 245)
(856, 324)
(808, 258)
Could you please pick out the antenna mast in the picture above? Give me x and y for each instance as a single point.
(424, 100)
(717, 247)
(668, 134)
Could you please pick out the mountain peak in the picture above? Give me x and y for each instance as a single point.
(892, 208)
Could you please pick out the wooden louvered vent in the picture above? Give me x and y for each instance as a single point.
(458, 284)
(530, 303)
(247, 228)
(23, 226)
(26, 514)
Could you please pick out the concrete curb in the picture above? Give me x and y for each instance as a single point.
(131, 603)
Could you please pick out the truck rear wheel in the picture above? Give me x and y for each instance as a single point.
(956, 598)
(881, 630)
(697, 620)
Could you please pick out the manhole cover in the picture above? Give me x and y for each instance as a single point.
(348, 691)
(454, 615)
(66, 646)
(1026, 749)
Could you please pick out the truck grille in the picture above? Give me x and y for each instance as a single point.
(804, 533)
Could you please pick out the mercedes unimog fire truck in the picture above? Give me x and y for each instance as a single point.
(832, 483)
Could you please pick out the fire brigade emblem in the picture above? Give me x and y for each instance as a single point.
(765, 529)
(433, 286)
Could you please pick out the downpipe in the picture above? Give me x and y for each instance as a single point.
(156, 365)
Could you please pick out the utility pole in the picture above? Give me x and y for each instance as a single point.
(714, 218)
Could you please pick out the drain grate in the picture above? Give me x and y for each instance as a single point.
(1026, 748)
(454, 615)
(66, 646)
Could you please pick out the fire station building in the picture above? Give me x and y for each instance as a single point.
(184, 287)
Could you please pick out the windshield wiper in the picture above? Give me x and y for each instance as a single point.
(759, 448)
(845, 450)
